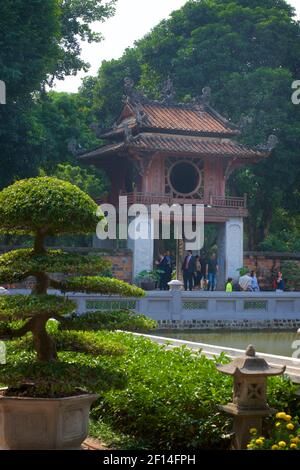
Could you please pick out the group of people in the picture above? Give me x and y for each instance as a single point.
(247, 283)
(199, 272)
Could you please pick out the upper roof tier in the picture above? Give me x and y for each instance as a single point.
(196, 128)
(197, 118)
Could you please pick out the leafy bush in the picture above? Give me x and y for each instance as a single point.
(121, 320)
(291, 272)
(14, 307)
(48, 205)
(101, 285)
(77, 341)
(19, 264)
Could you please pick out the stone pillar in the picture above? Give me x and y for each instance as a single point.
(234, 247)
(142, 248)
(230, 249)
(221, 257)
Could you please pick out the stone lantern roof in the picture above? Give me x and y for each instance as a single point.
(250, 364)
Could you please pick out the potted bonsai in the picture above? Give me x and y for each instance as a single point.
(44, 206)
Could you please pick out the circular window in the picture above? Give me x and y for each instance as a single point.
(184, 178)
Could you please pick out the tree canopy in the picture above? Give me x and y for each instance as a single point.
(40, 41)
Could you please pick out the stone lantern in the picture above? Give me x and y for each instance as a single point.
(249, 394)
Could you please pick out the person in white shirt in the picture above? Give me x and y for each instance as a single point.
(245, 283)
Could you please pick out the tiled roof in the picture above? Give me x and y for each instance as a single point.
(181, 144)
(189, 119)
(197, 145)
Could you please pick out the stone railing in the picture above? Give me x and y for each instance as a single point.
(203, 310)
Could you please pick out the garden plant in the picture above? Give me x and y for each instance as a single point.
(42, 207)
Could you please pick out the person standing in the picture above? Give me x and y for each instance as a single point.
(212, 271)
(198, 272)
(254, 282)
(279, 282)
(168, 267)
(245, 283)
(188, 269)
(229, 287)
(162, 272)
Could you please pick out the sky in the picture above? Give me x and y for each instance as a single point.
(133, 19)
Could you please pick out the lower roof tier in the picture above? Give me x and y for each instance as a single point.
(178, 144)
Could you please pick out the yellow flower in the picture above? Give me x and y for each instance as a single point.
(259, 442)
(253, 431)
(282, 444)
(290, 426)
(287, 418)
(293, 446)
(291, 436)
(249, 446)
(277, 424)
(275, 447)
(295, 440)
(280, 415)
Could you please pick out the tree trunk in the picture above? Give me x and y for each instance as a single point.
(39, 243)
(42, 284)
(44, 346)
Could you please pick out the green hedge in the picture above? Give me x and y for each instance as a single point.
(101, 285)
(14, 307)
(119, 320)
(19, 264)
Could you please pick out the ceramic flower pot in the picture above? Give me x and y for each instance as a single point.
(44, 423)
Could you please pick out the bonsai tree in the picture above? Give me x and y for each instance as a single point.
(42, 207)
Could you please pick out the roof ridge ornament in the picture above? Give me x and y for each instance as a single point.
(201, 101)
(168, 91)
(131, 94)
(270, 145)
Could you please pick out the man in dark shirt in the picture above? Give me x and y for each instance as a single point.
(212, 271)
(188, 269)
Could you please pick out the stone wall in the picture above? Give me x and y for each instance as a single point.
(121, 264)
(267, 264)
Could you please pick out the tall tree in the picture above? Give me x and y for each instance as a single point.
(39, 41)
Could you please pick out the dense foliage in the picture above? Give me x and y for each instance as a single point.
(111, 320)
(102, 285)
(19, 264)
(40, 40)
(166, 398)
(46, 205)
